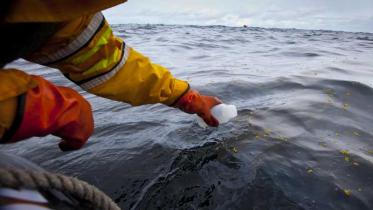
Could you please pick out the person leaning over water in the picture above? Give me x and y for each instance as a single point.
(74, 37)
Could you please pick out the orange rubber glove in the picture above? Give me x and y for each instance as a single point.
(193, 102)
(61, 111)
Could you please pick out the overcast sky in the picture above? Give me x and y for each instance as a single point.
(347, 15)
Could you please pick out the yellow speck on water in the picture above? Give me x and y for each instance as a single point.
(337, 134)
(355, 163)
(234, 149)
(347, 192)
(323, 144)
(356, 133)
(329, 91)
(370, 151)
(359, 189)
(267, 131)
(346, 106)
(309, 171)
(283, 138)
(344, 152)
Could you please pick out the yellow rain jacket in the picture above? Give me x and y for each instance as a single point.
(85, 50)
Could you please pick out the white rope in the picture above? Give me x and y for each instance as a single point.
(16, 178)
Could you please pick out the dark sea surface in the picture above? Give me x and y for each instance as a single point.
(303, 138)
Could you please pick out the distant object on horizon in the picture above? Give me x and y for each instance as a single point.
(245, 26)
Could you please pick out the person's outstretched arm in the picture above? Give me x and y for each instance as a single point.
(86, 51)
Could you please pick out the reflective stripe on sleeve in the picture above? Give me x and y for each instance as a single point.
(105, 77)
(93, 27)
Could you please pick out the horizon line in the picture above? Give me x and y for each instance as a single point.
(243, 26)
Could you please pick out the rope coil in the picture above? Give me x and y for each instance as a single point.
(41, 180)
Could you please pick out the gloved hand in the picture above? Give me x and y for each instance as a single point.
(193, 102)
(61, 111)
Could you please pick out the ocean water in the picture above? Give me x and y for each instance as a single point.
(303, 138)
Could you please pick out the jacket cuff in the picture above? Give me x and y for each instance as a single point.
(180, 88)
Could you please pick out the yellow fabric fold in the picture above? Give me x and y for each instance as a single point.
(14, 82)
(55, 10)
(8, 109)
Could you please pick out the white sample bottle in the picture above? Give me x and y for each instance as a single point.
(222, 112)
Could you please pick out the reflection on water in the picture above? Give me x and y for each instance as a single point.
(303, 138)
